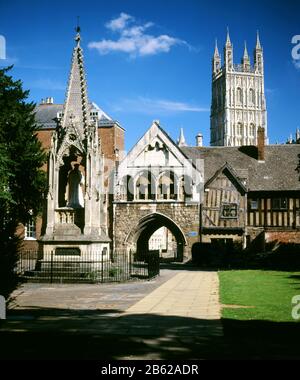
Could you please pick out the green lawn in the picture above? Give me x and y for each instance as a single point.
(268, 293)
(266, 329)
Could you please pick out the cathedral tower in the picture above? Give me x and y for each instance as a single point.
(238, 105)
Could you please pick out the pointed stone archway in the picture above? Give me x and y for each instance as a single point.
(140, 235)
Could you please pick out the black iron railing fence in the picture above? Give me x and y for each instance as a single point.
(86, 268)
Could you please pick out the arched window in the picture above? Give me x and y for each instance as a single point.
(145, 189)
(167, 187)
(252, 96)
(127, 189)
(252, 130)
(239, 96)
(185, 188)
(239, 129)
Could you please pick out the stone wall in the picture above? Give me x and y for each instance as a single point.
(127, 217)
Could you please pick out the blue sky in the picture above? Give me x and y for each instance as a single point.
(149, 60)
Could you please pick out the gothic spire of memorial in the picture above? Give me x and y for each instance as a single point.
(76, 102)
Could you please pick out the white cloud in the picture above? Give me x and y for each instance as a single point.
(134, 40)
(150, 106)
(120, 22)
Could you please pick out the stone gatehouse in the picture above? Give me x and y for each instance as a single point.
(157, 191)
(135, 223)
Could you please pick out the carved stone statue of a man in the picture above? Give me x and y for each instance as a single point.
(75, 181)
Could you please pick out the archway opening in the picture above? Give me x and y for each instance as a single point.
(158, 232)
(165, 242)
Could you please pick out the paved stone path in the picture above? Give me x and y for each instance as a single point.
(176, 315)
(188, 294)
(32, 297)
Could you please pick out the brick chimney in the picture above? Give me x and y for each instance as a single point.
(261, 144)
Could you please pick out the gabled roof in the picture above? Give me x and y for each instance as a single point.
(229, 171)
(156, 131)
(101, 114)
(276, 173)
(177, 161)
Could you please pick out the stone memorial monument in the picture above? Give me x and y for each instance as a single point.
(75, 218)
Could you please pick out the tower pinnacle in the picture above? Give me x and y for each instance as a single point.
(216, 63)
(216, 53)
(258, 55)
(246, 59)
(258, 44)
(246, 55)
(228, 53)
(228, 41)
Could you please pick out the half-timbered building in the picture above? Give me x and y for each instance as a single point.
(249, 192)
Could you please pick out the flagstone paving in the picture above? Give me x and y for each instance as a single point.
(173, 315)
(188, 294)
(81, 297)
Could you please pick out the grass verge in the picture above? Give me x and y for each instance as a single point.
(257, 313)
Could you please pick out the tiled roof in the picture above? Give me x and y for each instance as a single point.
(277, 173)
(45, 113)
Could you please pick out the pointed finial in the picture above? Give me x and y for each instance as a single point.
(258, 44)
(228, 42)
(216, 54)
(77, 27)
(246, 55)
(181, 141)
(77, 30)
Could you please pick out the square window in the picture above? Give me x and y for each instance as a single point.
(279, 203)
(254, 204)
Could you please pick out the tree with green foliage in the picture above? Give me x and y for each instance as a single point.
(22, 180)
